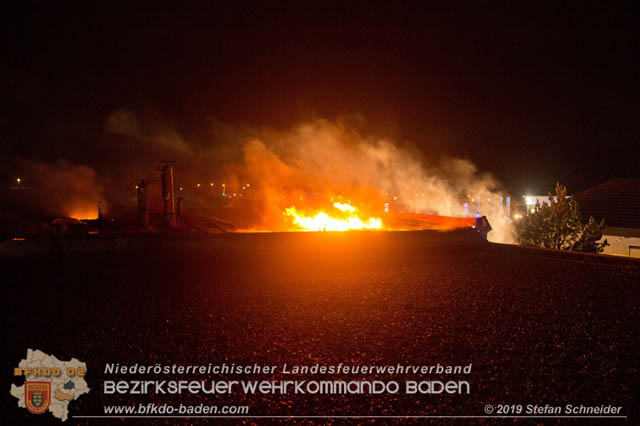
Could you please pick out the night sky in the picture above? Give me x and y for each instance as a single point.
(532, 94)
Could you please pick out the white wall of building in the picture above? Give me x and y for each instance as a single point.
(621, 245)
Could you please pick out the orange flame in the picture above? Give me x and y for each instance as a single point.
(324, 222)
(84, 212)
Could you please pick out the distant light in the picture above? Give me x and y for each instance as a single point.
(211, 184)
(248, 185)
(473, 199)
(395, 198)
(517, 216)
(180, 188)
(530, 200)
(533, 210)
(18, 180)
(198, 185)
(136, 186)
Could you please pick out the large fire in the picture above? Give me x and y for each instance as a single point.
(344, 219)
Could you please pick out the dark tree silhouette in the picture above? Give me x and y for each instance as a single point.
(558, 225)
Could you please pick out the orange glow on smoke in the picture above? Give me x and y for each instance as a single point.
(344, 219)
(88, 212)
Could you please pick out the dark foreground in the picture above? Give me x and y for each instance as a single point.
(539, 327)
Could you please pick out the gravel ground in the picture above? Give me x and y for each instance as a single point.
(539, 327)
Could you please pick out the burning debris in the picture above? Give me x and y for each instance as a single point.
(60, 189)
(297, 175)
(345, 219)
(51, 201)
(319, 176)
(324, 176)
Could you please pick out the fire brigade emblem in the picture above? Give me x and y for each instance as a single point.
(37, 396)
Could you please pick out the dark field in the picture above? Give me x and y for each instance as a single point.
(539, 327)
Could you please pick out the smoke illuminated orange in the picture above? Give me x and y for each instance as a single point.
(344, 220)
(84, 213)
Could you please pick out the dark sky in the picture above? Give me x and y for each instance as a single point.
(533, 94)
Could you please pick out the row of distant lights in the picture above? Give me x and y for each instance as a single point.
(211, 184)
(224, 189)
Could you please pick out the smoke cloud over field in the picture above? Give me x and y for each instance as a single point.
(62, 189)
(323, 160)
(310, 164)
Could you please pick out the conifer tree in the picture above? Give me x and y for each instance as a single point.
(558, 225)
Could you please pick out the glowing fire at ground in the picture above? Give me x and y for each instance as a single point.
(345, 221)
(83, 213)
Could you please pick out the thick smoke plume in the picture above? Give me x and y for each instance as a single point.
(62, 189)
(306, 167)
(321, 160)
